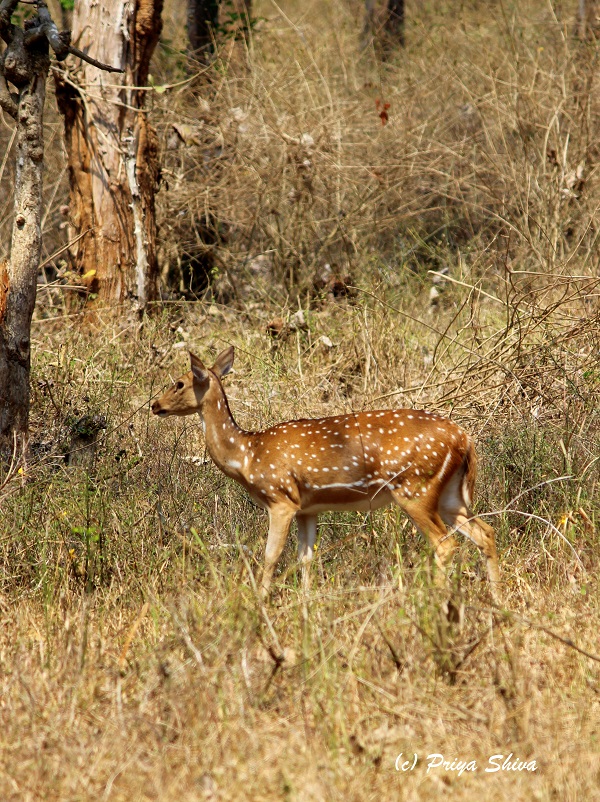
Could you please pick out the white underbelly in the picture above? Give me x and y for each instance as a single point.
(360, 505)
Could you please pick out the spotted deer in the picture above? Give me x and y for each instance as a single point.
(422, 461)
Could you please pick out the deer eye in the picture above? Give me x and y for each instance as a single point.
(179, 385)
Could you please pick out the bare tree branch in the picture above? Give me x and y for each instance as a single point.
(84, 57)
(60, 42)
(48, 26)
(7, 9)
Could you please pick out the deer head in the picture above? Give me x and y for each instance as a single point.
(190, 391)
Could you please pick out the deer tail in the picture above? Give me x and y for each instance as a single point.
(470, 473)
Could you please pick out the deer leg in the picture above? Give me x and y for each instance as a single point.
(479, 533)
(428, 521)
(280, 519)
(307, 534)
(455, 511)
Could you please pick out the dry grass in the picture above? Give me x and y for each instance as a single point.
(136, 662)
(139, 665)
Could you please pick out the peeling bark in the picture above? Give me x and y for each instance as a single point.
(113, 152)
(4, 285)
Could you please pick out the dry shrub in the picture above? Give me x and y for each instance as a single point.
(486, 147)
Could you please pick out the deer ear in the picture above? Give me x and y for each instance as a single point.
(224, 362)
(198, 368)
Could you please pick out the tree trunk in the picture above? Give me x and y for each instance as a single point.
(202, 21)
(366, 36)
(24, 66)
(18, 276)
(383, 28)
(27, 69)
(587, 19)
(395, 21)
(113, 152)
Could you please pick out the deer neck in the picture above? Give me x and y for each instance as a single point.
(227, 444)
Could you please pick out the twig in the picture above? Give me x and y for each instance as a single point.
(400, 664)
(131, 634)
(468, 286)
(566, 641)
(75, 51)
(65, 247)
(197, 654)
(86, 95)
(13, 136)
(535, 518)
